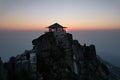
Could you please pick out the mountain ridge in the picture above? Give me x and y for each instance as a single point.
(56, 56)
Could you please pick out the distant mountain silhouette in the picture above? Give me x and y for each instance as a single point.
(56, 56)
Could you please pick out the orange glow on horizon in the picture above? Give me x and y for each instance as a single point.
(12, 23)
(33, 15)
(69, 28)
(40, 24)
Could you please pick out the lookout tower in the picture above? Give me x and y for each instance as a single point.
(56, 28)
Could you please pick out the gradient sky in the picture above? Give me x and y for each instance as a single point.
(75, 14)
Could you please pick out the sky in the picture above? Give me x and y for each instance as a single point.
(90, 21)
(75, 14)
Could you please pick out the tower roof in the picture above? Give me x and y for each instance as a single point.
(56, 25)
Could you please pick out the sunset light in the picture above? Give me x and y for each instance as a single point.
(75, 14)
(60, 39)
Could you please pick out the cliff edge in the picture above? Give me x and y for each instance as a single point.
(59, 57)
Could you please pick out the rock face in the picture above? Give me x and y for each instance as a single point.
(114, 71)
(59, 57)
(3, 71)
(56, 56)
(20, 67)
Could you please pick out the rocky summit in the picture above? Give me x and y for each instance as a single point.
(59, 57)
(56, 56)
